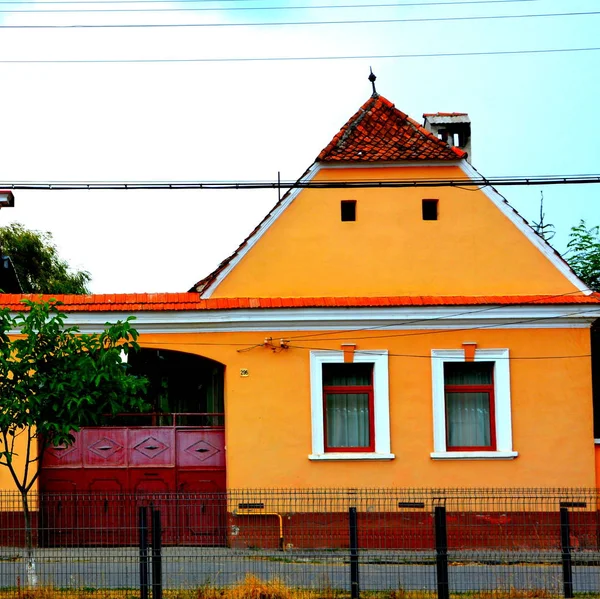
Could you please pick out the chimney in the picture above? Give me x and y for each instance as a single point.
(452, 127)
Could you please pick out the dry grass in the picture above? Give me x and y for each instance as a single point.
(254, 588)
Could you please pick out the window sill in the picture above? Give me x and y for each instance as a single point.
(338, 456)
(474, 455)
(597, 441)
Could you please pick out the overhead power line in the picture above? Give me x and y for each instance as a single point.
(300, 23)
(419, 4)
(297, 58)
(352, 184)
(220, 8)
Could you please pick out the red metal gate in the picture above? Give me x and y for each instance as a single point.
(90, 491)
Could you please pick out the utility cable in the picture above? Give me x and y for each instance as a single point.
(213, 8)
(435, 319)
(302, 184)
(419, 4)
(429, 357)
(301, 23)
(461, 329)
(296, 58)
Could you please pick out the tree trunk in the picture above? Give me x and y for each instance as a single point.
(32, 578)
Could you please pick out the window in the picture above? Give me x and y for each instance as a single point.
(430, 209)
(350, 406)
(469, 396)
(348, 210)
(471, 405)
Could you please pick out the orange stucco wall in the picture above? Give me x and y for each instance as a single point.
(268, 413)
(268, 422)
(472, 249)
(20, 450)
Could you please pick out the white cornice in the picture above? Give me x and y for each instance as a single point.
(325, 319)
(262, 229)
(522, 225)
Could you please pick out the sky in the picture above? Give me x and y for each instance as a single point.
(215, 117)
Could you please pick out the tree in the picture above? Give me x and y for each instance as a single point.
(38, 266)
(583, 254)
(53, 381)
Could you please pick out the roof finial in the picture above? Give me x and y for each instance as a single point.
(372, 80)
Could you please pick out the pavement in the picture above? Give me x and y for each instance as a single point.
(192, 567)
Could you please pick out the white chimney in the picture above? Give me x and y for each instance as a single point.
(452, 127)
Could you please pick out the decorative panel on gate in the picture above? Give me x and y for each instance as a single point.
(64, 456)
(151, 447)
(104, 447)
(201, 448)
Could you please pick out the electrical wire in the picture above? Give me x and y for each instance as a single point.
(419, 4)
(437, 318)
(429, 357)
(300, 23)
(461, 329)
(295, 58)
(495, 326)
(212, 8)
(303, 184)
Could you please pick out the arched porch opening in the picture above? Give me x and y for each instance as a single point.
(169, 454)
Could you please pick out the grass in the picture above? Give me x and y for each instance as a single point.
(255, 588)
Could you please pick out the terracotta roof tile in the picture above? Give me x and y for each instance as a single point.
(157, 302)
(379, 132)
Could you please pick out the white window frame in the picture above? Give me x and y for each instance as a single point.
(381, 405)
(502, 401)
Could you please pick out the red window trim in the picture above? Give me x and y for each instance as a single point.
(364, 389)
(489, 389)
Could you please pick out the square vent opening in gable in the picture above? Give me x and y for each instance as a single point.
(348, 208)
(430, 209)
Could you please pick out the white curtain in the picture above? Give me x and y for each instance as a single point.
(347, 419)
(468, 419)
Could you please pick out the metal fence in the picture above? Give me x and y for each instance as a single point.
(398, 543)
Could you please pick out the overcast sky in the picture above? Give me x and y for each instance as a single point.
(532, 114)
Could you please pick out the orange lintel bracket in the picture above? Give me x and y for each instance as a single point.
(469, 347)
(348, 349)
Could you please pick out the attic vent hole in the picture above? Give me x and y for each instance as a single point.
(348, 210)
(430, 209)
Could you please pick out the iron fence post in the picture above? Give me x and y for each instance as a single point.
(143, 537)
(441, 552)
(565, 545)
(156, 555)
(354, 586)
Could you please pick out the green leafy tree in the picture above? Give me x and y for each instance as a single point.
(37, 264)
(53, 381)
(583, 254)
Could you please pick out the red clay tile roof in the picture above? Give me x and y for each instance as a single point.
(160, 302)
(379, 132)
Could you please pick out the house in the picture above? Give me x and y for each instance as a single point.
(365, 334)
